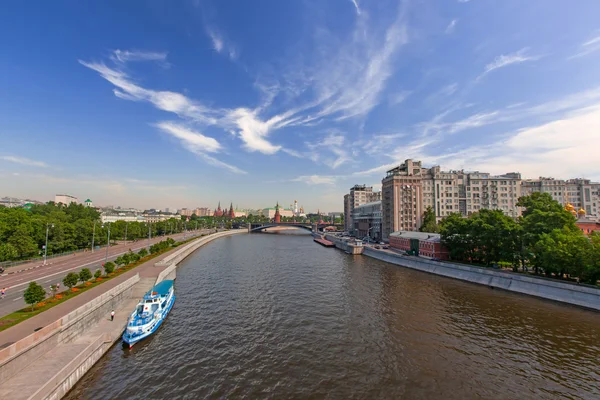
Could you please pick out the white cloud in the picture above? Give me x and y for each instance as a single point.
(587, 47)
(253, 131)
(193, 141)
(221, 46)
(382, 143)
(316, 179)
(332, 143)
(356, 6)
(398, 98)
(163, 100)
(451, 26)
(505, 60)
(24, 161)
(125, 56)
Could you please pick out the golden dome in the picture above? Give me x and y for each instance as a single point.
(569, 207)
(574, 212)
(581, 211)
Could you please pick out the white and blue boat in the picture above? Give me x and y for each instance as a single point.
(150, 312)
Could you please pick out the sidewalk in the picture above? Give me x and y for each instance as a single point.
(25, 328)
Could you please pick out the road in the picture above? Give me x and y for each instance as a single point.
(56, 269)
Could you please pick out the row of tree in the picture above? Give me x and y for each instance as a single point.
(545, 239)
(35, 293)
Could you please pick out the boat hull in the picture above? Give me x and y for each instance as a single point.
(131, 340)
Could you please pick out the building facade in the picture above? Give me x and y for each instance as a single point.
(581, 193)
(402, 198)
(367, 221)
(283, 212)
(423, 244)
(359, 194)
(65, 199)
(121, 216)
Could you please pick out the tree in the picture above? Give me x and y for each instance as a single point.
(109, 267)
(22, 241)
(429, 222)
(563, 252)
(7, 252)
(34, 294)
(85, 275)
(143, 252)
(97, 274)
(71, 280)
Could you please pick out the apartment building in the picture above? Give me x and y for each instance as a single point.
(581, 193)
(359, 194)
(402, 198)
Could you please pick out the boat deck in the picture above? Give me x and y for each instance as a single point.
(324, 242)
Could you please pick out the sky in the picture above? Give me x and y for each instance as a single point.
(155, 104)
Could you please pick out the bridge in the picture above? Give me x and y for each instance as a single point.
(316, 227)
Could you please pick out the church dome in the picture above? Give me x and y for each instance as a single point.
(581, 211)
(569, 207)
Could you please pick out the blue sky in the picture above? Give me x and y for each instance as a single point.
(183, 104)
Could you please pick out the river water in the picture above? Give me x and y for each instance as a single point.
(278, 316)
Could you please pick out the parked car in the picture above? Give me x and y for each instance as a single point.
(386, 247)
(377, 246)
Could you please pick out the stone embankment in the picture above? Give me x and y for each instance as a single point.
(49, 362)
(550, 289)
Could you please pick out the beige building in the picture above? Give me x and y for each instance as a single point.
(270, 212)
(581, 193)
(65, 199)
(402, 198)
(359, 195)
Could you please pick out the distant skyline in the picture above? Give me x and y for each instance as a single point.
(163, 104)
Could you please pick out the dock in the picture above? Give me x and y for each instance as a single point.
(324, 242)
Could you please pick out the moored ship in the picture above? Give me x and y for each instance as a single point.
(150, 313)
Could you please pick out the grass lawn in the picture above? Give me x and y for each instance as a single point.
(21, 315)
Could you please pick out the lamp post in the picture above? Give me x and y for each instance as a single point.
(46, 246)
(107, 244)
(93, 236)
(184, 229)
(126, 225)
(369, 235)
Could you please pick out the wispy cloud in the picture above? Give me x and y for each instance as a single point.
(332, 143)
(398, 98)
(356, 6)
(125, 56)
(24, 161)
(505, 60)
(451, 26)
(192, 140)
(220, 45)
(316, 179)
(587, 47)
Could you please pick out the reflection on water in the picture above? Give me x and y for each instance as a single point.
(278, 316)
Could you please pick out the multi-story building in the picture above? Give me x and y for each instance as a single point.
(202, 212)
(581, 193)
(157, 217)
(121, 216)
(359, 194)
(65, 199)
(270, 212)
(402, 198)
(186, 212)
(367, 220)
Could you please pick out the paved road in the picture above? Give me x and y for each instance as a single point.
(56, 269)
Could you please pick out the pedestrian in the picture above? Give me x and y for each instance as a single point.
(3, 292)
(112, 315)
(57, 287)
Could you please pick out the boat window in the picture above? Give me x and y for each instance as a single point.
(140, 309)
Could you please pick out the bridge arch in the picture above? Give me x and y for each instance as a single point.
(262, 227)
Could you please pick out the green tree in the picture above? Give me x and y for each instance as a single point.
(456, 235)
(8, 252)
(34, 294)
(85, 275)
(97, 274)
(563, 252)
(429, 222)
(71, 280)
(109, 267)
(143, 252)
(22, 241)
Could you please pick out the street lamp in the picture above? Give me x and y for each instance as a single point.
(93, 236)
(46, 246)
(107, 244)
(369, 235)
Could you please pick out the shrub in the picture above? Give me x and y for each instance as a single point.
(109, 267)
(85, 275)
(143, 252)
(97, 274)
(71, 280)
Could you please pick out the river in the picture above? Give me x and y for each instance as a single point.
(278, 316)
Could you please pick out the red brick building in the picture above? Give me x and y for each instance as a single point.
(587, 226)
(426, 244)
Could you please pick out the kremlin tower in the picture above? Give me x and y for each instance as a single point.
(231, 212)
(277, 218)
(218, 211)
